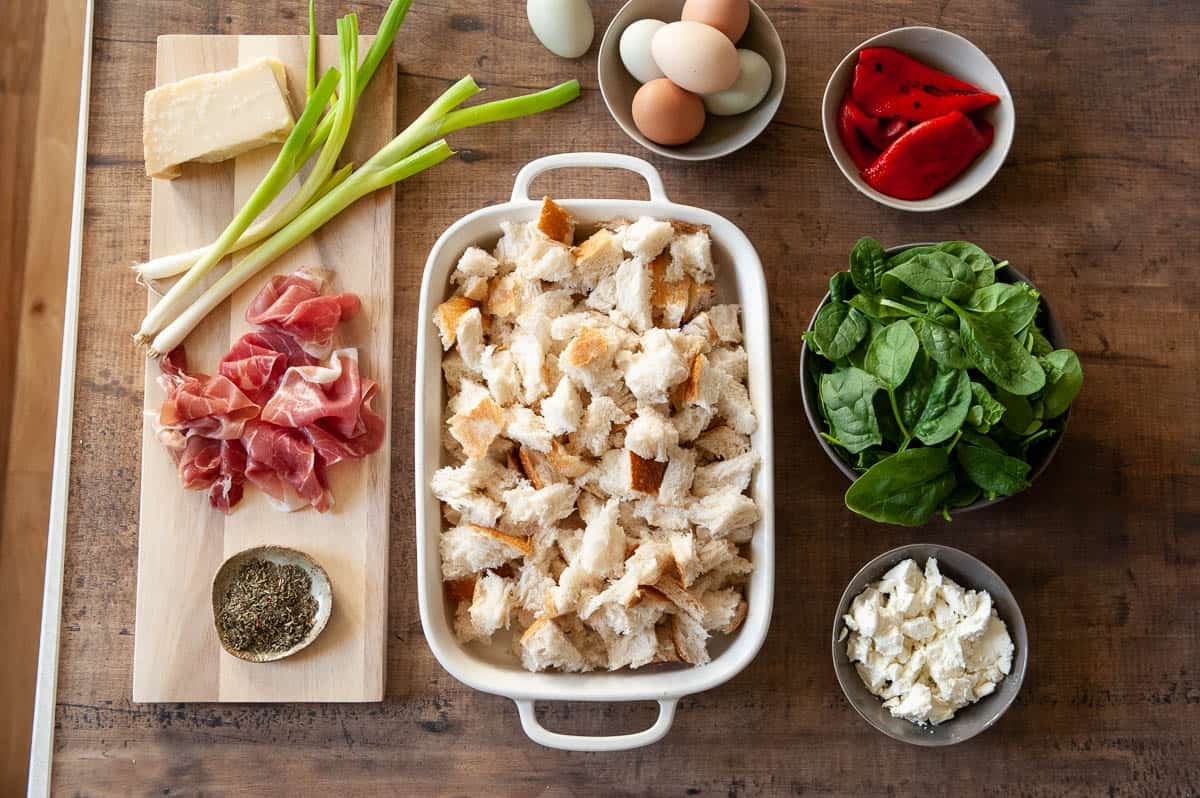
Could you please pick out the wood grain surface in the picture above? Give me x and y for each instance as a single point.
(1097, 203)
(182, 541)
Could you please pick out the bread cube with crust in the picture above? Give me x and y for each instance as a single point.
(588, 359)
(732, 474)
(677, 479)
(702, 388)
(555, 223)
(632, 650)
(515, 238)
(647, 237)
(734, 406)
(603, 298)
(651, 435)
(575, 586)
(692, 253)
(562, 409)
(732, 360)
(477, 420)
(530, 356)
(546, 260)
(691, 639)
(447, 316)
(723, 512)
(537, 467)
(499, 369)
(470, 548)
(544, 646)
(724, 610)
(491, 605)
(596, 258)
(669, 291)
(469, 336)
(724, 320)
(685, 556)
(634, 288)
(651, 373)
(509, 294)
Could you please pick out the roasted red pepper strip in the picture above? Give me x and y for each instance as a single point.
(888, 83)
(855, 129)
(928, 157)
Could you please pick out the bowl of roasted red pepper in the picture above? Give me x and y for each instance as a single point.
(918, 118)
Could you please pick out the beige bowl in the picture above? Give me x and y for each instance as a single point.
(322, 591)
(722, 134)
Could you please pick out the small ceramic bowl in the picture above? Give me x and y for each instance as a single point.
(950, 53)
(722, 134)
(322, 591)
(1042, 455)
(969, 721)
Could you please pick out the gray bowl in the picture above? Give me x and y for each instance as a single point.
(969, 721)
(722, 134)
(812, 407)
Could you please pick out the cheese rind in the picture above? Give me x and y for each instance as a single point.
(215, 116)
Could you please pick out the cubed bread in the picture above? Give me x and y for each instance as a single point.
(598, 424)
(732, 474)
(651, 435)
(555, 223)
(651, 373)
(725, 511)
(693, 254)
(526, 504)
(470, 548)
(544, 646)
(647, 237)
(634, 286)
(447, 316)
(602, 552)
(562, 409)
(723, 442)
(597, 258)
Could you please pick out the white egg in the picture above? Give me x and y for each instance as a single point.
(635, 50)
(564, 27)
(752, 84)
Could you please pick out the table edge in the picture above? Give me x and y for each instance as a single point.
(42, 741)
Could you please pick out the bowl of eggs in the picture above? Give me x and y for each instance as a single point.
(692, 80)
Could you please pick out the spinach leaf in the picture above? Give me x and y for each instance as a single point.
(1011, 306)
(846, 395)
(891, 354)
(908, 254)
(942, 343)
(1040, 346)
(985, 410)
(872, 305)
(965, 493)
(867, 265)
(837, 330)
(1019, 415)
(841, 286)
(998, 354)
(980, 262)
(945, 408)
(986, 464)
(913, 395)
(936, 275)
(906, 488)
(1064, 379)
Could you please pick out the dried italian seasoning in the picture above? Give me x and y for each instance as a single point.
(267, 608)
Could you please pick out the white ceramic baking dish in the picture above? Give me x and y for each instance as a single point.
(494, 669)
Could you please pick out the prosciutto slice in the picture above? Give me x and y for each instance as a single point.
(274, 415)
(295, 305)
(202, 405)
(281, 462)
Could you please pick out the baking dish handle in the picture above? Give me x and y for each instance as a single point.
(580, 742)
(574, 160)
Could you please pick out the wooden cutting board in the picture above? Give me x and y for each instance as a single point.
(182, 540)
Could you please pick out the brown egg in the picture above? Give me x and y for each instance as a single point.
(728, 16)
(667, 114)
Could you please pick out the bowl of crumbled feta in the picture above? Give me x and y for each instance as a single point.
(929, 645)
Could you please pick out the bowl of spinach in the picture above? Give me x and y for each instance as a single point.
(935, 378)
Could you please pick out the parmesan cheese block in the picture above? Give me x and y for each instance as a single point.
(214, 117)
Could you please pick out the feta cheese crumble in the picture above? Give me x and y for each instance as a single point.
(925, 645)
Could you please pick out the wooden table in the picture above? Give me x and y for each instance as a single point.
(1098, 203)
